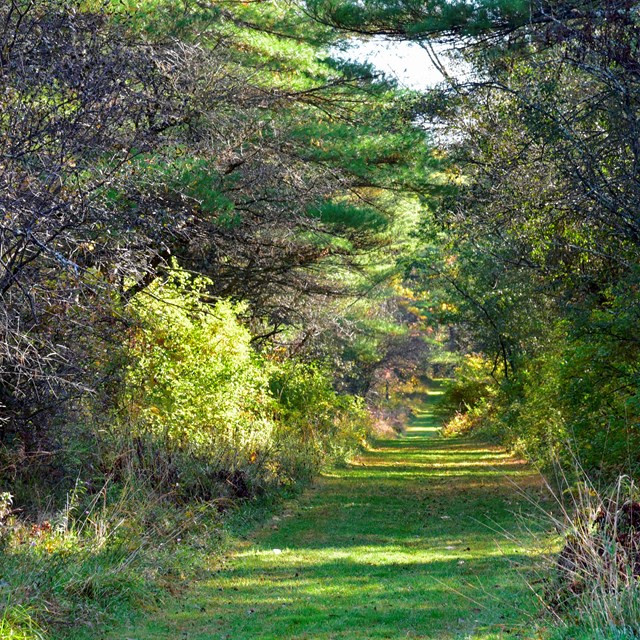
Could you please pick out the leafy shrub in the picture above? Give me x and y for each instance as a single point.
(469, 398)
(472, 384)
(316, 424)
(202, 414)
(196, 381)
(462, 423)
(578, 399)
(575, 398)
(196, 395)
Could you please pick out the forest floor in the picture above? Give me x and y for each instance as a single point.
(421, 537)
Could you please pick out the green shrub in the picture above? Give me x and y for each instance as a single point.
(195, 382)
(316, 424)
(195, 397)
(201, 413)
(469, 399)
(472, 384)
(577, 400)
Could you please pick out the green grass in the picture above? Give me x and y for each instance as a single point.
(409, 541)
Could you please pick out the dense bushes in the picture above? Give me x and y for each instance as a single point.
(316, 425)
(196, 390)
(468, 396)
(195, 421)
(575, 403)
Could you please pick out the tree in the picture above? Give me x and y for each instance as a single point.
(536, 246)
(80, 100)
(132, 140)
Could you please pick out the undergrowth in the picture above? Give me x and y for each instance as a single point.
(98, 560)
(588, 545)
(592, 586)
(194, 428)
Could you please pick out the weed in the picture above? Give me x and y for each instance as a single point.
(17, 623)
(591, 569)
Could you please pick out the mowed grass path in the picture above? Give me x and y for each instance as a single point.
(407, 542)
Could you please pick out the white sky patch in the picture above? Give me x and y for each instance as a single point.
(407, 62)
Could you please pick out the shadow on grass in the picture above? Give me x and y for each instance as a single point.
(413, 540)
(361, 599)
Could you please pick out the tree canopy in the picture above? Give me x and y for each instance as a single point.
(223, 137)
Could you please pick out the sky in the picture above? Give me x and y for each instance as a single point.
(405, 61)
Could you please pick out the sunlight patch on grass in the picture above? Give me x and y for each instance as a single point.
(380, 555)
(406, 542)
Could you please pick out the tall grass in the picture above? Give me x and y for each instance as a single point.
(590, 578)
(599, 565)
(101, 555)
